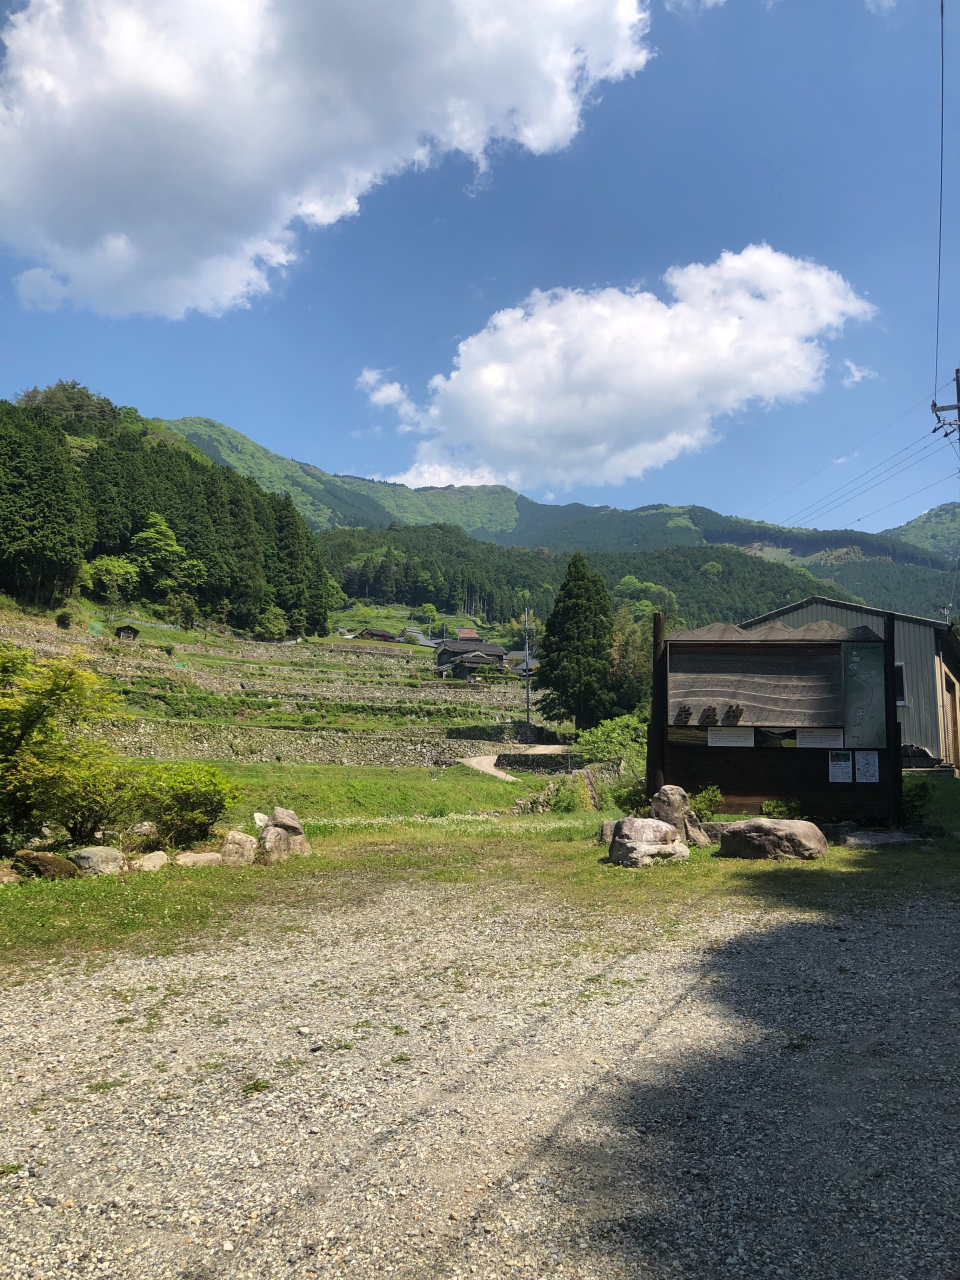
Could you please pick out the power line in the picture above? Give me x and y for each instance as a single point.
(942, 480)
(872, 436)
(851, 489)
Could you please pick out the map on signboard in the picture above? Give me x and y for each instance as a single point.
(864, 724)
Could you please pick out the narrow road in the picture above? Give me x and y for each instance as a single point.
(488, 764)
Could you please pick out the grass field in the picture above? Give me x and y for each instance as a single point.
(552, 855)
(318, 793)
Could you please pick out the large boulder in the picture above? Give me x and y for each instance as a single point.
(274, 845)
(144, 830)
(260, 819)
(150, 861)
(7, 874)
(773, 838)
(99, 860)
(238, 849)
(671, 804)
(198, 860)
(713, 830)
(640, 842)
(43, 866)
(286, 819)
(301, 845)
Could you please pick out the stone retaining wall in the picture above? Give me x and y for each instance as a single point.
(191, 740)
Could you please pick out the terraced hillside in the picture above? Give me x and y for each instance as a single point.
(323, 702)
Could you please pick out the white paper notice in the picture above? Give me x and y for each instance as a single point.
(720, 737)
(868, 766)
(819, 737)
(841, 766)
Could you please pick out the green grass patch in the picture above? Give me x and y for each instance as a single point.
(551, 857)
(318, 792)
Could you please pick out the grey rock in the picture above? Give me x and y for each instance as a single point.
(639, 842)
(713, 830)
(150, 861)
(274, 845)
(836, 832)
(260, 819)
(7, 874)
(98, 860)
(606, 831)
(301, 845)
(672, 805)
(198, 860)
(774, 838)
(145, 829)
(238, 849)
(287, 819)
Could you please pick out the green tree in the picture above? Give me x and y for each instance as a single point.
(46, 527)
(114, 571)
(575, 671)
(87, 790)
(43, 703)
(158, 553)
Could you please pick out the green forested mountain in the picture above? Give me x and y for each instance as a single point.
(169, 458)
(94, 495)
(937, 530)
(442, 565)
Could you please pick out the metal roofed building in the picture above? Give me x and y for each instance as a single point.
(926, 671)
(774, 712)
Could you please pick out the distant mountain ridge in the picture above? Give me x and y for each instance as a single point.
(909, 569)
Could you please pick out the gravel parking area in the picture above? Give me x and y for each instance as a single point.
(446, 1081)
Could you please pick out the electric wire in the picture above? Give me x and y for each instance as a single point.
(826, 466)
(852, 489)
(885, 480)
(942, 480)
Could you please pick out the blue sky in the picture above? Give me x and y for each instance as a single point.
(809, 127)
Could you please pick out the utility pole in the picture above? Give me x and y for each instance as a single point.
(948, 428)
(526, 659)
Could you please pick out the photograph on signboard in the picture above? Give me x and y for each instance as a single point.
(841, 766)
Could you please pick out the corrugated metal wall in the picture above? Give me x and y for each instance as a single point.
(915, 646)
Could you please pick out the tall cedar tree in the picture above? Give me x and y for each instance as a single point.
(575, 662)
(46, 527)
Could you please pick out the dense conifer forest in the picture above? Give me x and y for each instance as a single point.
(95, 496)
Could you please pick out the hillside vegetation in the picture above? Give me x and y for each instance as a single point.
(494, 513)
(936, 530)
(95, 497)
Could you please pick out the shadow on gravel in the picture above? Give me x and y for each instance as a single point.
(820, 1140)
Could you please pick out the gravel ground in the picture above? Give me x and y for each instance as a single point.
(446, 1082)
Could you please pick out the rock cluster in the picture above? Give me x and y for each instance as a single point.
(640, 842)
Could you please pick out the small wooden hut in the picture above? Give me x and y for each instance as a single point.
(778, 713)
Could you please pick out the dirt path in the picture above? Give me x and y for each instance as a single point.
(481, 1086)
(488, 764)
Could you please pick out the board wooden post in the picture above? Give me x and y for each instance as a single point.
(657, 728)
(894, 761)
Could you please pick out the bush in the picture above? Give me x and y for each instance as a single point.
(564, 800)
(184, 801)
(789, 809)
(87, 791)
(706, 803)
(64, 619)
(916, 797)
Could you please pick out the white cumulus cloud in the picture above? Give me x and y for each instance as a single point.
(579, 387)
(881, 6)
(159, 155)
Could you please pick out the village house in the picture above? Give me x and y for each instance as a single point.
(926, 673)
(462, 659)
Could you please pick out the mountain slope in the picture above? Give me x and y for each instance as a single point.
(937, 530)
(869, 565)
